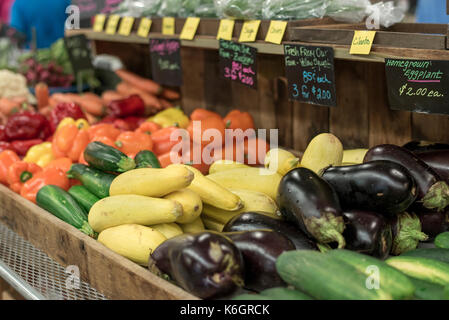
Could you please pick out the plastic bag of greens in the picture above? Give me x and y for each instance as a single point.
(386, 12)
(170, 8)
(138, 8)
(239, 9)
(198, 8)
(351, 11)
(294, 9)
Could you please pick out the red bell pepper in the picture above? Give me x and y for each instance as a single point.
(4, 146)
(27, 125)
(65, 110)
(2, 133)
(129, 107)
(21, 147)
(125, 124)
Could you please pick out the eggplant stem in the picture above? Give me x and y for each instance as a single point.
(437, 197)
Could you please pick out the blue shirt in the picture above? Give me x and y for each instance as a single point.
(431, 11)
(47, 16)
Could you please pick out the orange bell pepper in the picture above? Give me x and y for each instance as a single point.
(165, 159)
(131, 143)
(255, 151)
(201, 114)
(239, 120)
(20, 172)
(104, 130)
(206, 125)
(50, 176)
(70, 141)
(7, 158)
(148, 128)
(162, 143)
(61, 163)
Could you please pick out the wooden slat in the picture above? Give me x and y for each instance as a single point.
(430, 127)
(284, 113)
(106, 271)
(193, 64)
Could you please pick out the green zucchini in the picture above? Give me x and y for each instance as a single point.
(422, 268)
(431, 253)
(285, 294)
(107, 158)
(325, 277)
(84, 197)
(147, 159)
(442, 240)
(248, 296)
(94, 180)
(428, 291)
(391, 280)
(62, 205)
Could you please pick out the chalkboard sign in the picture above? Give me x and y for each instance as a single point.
(90, 8)
(79, 52)
(238, 62)
(166, 61)
(418, 85)
(310, 74)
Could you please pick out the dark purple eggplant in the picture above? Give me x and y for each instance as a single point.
(260, 250)
(433, 193)
(425, 146)
(433, 222)
(308, 201)
(380, 186)
(407, 233)
(438, 161)
(368, 233)
(250, 221)
(206, 264)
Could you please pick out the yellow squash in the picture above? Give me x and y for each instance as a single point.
(194, 227)
(213, 225)
(223, 165)
(281, 161)
(354, 156)
(192, 205)
(324, 150)
(169, 230)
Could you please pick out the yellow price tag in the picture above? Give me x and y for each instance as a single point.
(111, 26)
(126, 26)
(249, 31)
(144, 27)
(99, 22)
(276, 32)
(226, 29)
(362, 42)
(189, 30)
(168, 25)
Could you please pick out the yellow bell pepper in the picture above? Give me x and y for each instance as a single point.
(172, 117)
(40, 154)
(80, 123)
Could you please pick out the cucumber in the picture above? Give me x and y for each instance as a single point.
(431, 253)
(428, 291)
(83, 196)
(325, 277)
(107, 158)
(94, 180)
(147, 159)
(391, 280)
(248, 296)
(442, 240)
(285, 294)
(422, 268)
(62, 205)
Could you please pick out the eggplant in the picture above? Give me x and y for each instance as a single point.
(433, 222)
(308, 201)
(368, 233)
(250, 221)
(425, 146)
(260, 250)
(380, 186)
(433, 193)
(206, 264)
(407, 233)
(438, 161)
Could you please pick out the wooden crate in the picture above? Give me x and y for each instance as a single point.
(111, 274)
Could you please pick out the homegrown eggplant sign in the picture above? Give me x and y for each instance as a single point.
(418, 85)
(310, 74)
(166, 61)
(90, 8)
(238, 62)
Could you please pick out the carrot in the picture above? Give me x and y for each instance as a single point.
(110, 95)
(150, 100)
(62, 97)
(170, 94)
(91, 105)
(91, 118)
(165, 104)
(52, 102)
(42, 95)
(46, 111)
(144, 84)
(7, 105)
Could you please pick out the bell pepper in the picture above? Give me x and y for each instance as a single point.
(125, 124)
(80, 123)
(21, 147)
(27, 125)
(2, 133)
(19, 173)
(7, 158)
(104, 130)
(171, 117)
(70, 141)
(162, 142)
(131, 143)
(50, 176)
(239, 120)
(148, 127)
(61, 163)
(41, 154)
(131, 106)
(65, 110)
(4, 146)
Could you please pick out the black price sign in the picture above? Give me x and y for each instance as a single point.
(166, 61)
(90, 8)
(79, 53)
(238, 62)
(310, 74)
(418, 85)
